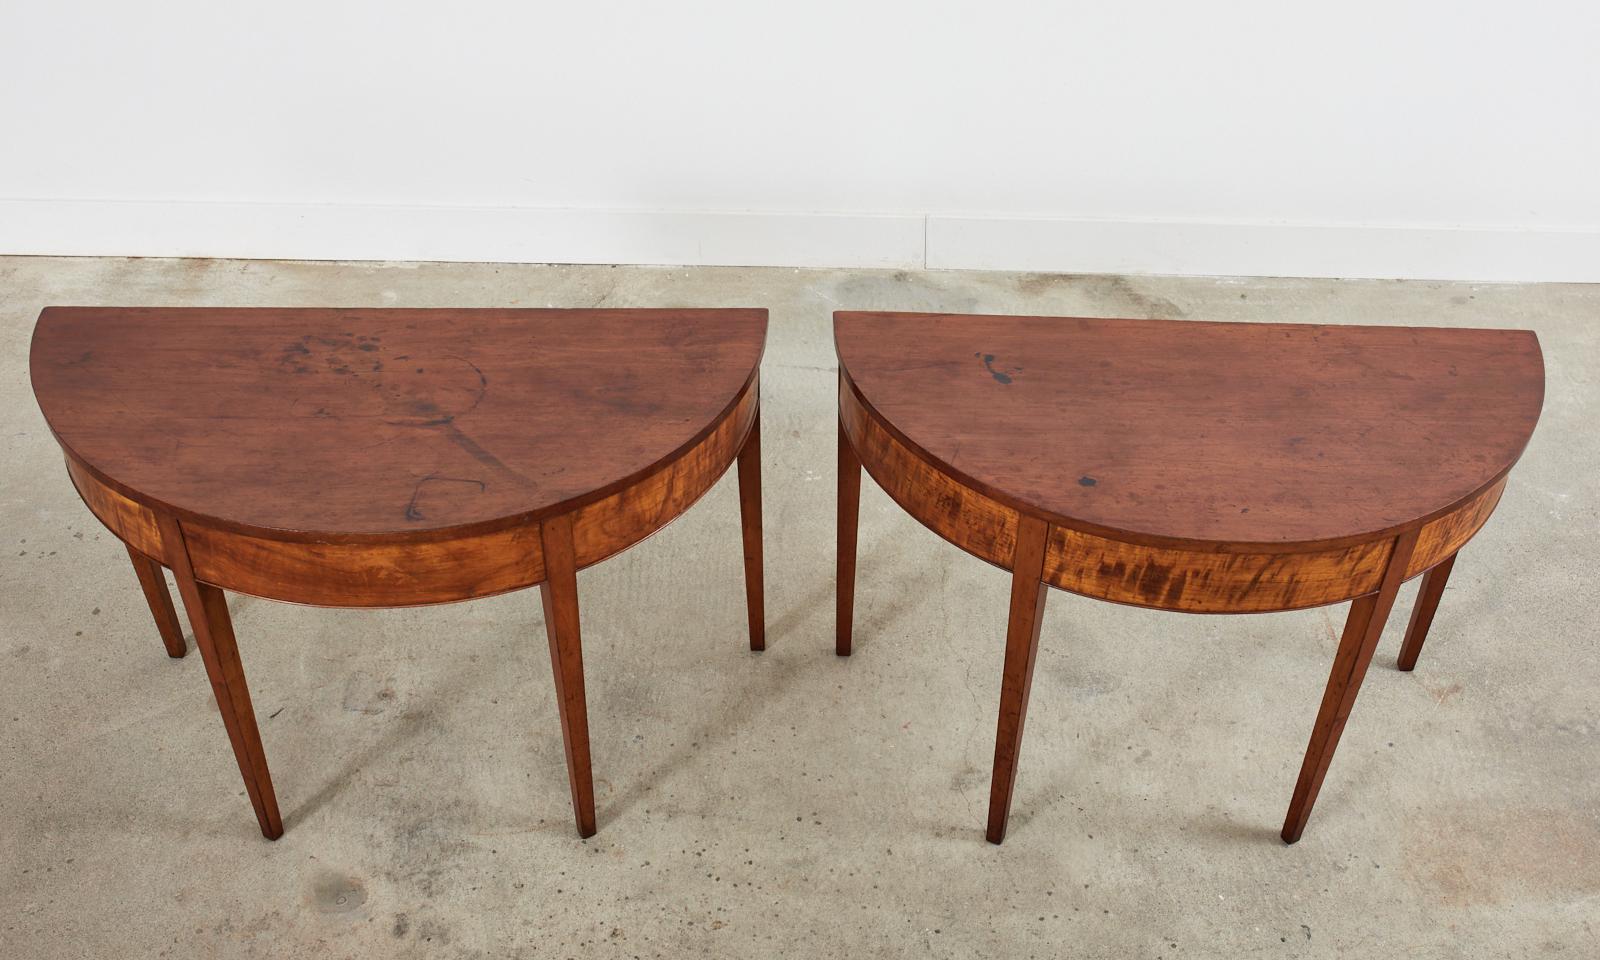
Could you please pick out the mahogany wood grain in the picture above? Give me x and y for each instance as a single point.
(607, 527)
(559, 594)
(1022, 649)
(369, 425)
(133, 522)
(213, 634)
(1428, 596)
(972, 521)
(1175, 431)
(1441, 538)
(1223, 579)
(1189, 466)
(1362, 630)
(750, 529)
(361, 458)
(154, 584)
(369, 574)
(848, 515)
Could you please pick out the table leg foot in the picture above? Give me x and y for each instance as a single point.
(213, 634)
(849, 514)
(1022, 648)
(559, 593)
(750, 521)
(154, 584)
(1362, 629)
(1422, 612)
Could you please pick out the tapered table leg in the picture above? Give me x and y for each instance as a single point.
(154, 584)
(1022, 648)
(560, 595)
(213, 634)
(750, 521)
(849, 515)
(1362, 629)
(1422, 612)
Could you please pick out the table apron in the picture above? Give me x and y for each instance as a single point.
(1219, 579)
(394, 574)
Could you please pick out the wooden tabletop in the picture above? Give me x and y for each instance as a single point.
(341, 425)
(1170, 431)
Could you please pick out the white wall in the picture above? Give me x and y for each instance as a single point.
(1450, 140)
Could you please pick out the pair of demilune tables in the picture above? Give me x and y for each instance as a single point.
(378, 458)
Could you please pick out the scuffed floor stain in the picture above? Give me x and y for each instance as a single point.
(334, 892)
(368, 695)
(1478, 857)
(1444, 692)
(1153, 307)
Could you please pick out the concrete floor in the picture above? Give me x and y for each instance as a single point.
(793, 802)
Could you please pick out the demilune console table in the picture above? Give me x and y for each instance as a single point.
(382, 458)
(1187, 466)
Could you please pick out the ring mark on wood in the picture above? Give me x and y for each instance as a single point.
(414, 512)
(401, 395)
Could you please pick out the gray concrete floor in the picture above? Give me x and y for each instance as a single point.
(793, 802)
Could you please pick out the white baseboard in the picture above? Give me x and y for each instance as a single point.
(1264, 249)
(280, 231)
(551, 235)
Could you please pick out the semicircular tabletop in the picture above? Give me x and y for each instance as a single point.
(344, 424)
(1176, 431)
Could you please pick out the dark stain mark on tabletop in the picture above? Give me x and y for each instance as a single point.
(1087, 481)
(427, 409)
(295, 356)
(482, 455)
(299, 356)
(988, 364)
(435, 403)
